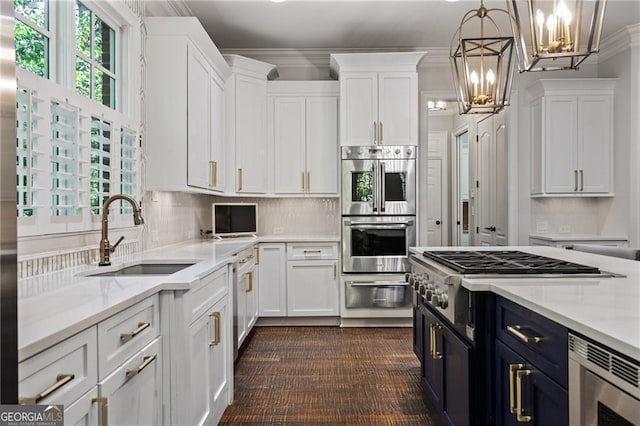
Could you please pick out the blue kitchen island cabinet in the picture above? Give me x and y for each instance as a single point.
(446, 364)
(531, 367)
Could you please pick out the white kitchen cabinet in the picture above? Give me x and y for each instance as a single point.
(246, 124)
(184, 143)
(492, 221)
(246, 293)
(572, 137)
(209, 340)
(378, 97)
(272, 267)
(303, 128)
(201, 349)
(312, 283)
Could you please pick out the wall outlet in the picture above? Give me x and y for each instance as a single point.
(278, 229)
(154, 236)
(542, 227)
(564, 229)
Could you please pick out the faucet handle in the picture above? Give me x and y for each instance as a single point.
(113, 247)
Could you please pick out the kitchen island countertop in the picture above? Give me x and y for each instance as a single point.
(606, 310)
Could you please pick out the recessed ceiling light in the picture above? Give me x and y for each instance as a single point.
(280, 1)
(448, 1)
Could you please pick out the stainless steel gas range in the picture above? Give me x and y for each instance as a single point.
(437, 275)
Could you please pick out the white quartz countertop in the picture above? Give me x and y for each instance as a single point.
(55, 306)
(604, 309)
(579, 237)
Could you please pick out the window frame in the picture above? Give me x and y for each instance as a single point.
(49, 33)
(61, 85)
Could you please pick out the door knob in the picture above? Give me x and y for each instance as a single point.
(437, 222)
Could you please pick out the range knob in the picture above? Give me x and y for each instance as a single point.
(435, 299)
(360, 151)
(409, 151)
(422, 290)
(444, 301)
(397, 151)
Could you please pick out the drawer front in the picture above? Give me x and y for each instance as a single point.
(247, 256)
(541, 341)
(125, 333)
(62, 373)
(205, 293)
(311, 251)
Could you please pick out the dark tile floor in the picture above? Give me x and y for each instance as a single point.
(328, 375)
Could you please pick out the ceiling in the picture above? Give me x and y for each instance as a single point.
(353, 24)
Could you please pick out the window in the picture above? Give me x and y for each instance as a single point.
(128, 167)
(32, 36)
(95, 57)
(29, 154)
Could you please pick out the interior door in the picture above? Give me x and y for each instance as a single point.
(434, 206)
(501, 189)
(484, 191)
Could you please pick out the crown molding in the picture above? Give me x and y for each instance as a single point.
(167, 8)
(620, 41)
(320, 57)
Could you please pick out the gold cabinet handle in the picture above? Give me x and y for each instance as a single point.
(104, 409)
(308, 181)
(431, 340)
(239, 179)
(436, 354)
(61, 380)
(335, 271)
(581, 180)
(512, 369)
(575, 180)
(213, 182)
(520, 417)
(375, 133)
(250, 289)
(303, 189)
(257, 256)
(216, 328)
(381, 132)
(125, 337)
(135, 371)
(515, 330)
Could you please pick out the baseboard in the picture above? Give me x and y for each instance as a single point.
(297, 321)
(376, 322)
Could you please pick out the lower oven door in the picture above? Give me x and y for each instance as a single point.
(377, 244)
(378, 294)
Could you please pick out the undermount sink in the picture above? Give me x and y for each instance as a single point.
(142, 269)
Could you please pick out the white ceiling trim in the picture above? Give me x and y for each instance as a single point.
(619, 42)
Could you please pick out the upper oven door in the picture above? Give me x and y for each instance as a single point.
(397, 186)
(359, 187)
(375, 244)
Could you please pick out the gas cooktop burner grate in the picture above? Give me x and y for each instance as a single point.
(506, 262)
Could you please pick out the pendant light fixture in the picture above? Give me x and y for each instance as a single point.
(557, 34)
(482, 60)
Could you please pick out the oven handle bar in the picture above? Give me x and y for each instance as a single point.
(379, 224)
(376, 283)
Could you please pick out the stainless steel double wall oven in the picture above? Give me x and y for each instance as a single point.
(378, 217)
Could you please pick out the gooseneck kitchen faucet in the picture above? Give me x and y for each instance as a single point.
(105, 248)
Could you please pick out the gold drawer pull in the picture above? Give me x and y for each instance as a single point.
(435, 354)
(515, 330)
(104, 409)
(512, 369)
(134, 372)
(125, 337)
(520, 417)
(213, 181)
(216, 328)
(250, 289)
(239, 179)
(61, 380)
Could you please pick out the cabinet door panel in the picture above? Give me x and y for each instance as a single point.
(560, 133)
(198, 119)
(456, 358)
(219, 360)
(289, 143)
(322, 145)
(200, 370)
(241, 314)
(398, 108)
(272, 299)
(251, 134)
(358, 108)
(501, 188)
(594, 134)
(217, 181)
(312, 288)
(485, 192)
(83, 412)
(431, 368)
